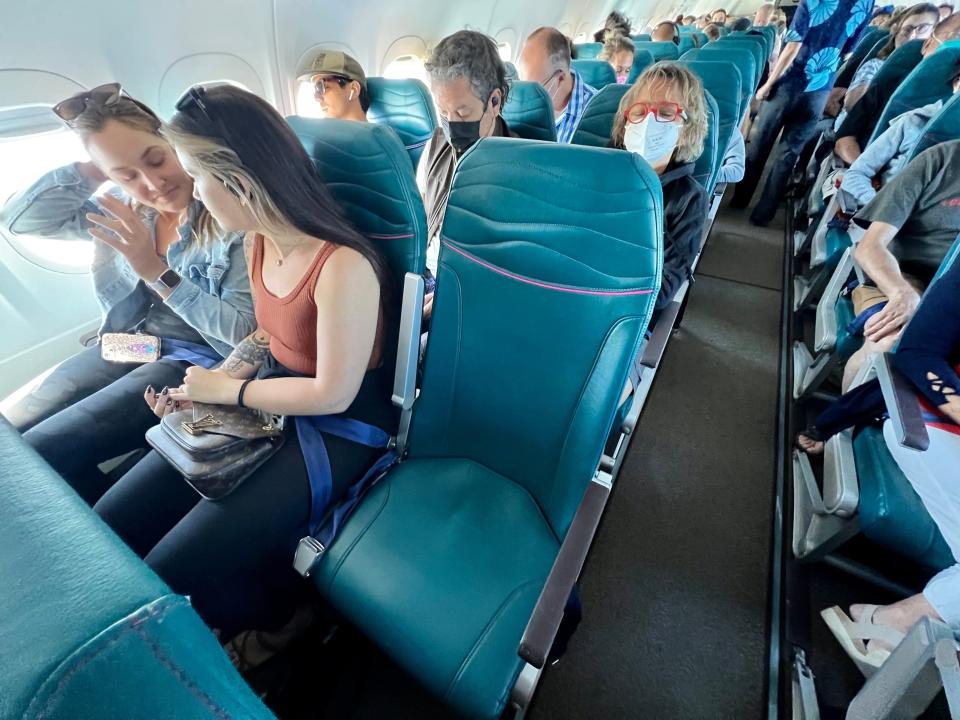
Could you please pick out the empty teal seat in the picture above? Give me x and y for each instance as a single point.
(707, 166)
(595, 73)
(548, 250)
(596, 123)
(722, 81)
(642, 59)
(406, 106)
(927, 82)
(86, 628)
(364, 166)
(664, 50)
(587, 51)
(529, 111)
(891, 512)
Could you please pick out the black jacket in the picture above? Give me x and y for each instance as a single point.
(685, 209)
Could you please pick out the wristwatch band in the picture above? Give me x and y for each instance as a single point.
(168, 280)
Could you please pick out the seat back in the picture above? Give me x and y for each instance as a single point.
(595, 73)
(642, 59)
(596, 123)
(928, 82)
(701, 37)
(406, 106)
(512, 73)
(547, 251)
(641, 37)
(943, 126)
(755, 44)
(743, 57)
(529, 111)
(707, 167)
(702, 56)
(661, 50)
(87, 630)
(722, 81)
(369, 174)
(686, 43)
(870, 38)
(767, 39)
(587, 51)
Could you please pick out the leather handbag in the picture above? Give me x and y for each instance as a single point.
(216, 447)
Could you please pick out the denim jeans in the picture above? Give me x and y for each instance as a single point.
(796, 113)
(89, 410)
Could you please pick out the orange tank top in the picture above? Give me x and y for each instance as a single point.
(291, 320)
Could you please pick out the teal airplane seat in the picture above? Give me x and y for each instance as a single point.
(741, 56)
(891, 75)
(943, 126)
(86, 628)
(587, 51)
(871, 37)
(596, 123)
(595, 73)
(707, 167)
(754, 43)
(642, 59)
(722, 81)
(547, 251)
(661, 50)
(407, 107)
(687, 42)
(704, 55)
(529, 111)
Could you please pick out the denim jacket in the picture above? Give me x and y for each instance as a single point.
(213, 297)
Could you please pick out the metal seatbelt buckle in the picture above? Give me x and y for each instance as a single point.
(308, 554)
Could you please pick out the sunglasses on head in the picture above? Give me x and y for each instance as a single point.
(74, 106)
(195, 97)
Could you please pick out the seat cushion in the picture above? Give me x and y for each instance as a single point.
(891, 512)
(428, 567)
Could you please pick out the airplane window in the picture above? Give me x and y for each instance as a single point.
(506, 52)
(306, 104)
(406, 66)
(23, 159)
(580, 38)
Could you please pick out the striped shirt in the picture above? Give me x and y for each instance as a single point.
(567, 123)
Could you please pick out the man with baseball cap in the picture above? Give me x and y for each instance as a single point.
(339, 85)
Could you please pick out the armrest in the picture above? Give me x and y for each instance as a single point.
(902, 405)
(408, 352)
(542, 627)
(660, 335)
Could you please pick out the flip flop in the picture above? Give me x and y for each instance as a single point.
(853, 635)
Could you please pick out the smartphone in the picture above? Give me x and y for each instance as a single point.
(129, 347)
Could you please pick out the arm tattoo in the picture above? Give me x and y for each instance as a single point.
(251, 351)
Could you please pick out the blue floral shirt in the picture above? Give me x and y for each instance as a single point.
(828, 29)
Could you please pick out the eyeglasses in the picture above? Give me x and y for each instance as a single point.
(74, 106)
(320, 84)
(912, 31)
(663, 112)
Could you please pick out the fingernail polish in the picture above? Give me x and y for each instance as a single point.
(150, 389)
(165, 390)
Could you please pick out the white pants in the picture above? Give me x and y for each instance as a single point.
(935, 475)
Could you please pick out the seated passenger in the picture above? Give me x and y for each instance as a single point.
(719, 16)
(887, 155)
(469, 84)
(546, 59)
(916, 23)
(741, 25)
(340, 85)
(663, 118)
(927, 355)
(616, 24)
(712, 31)
(855, 130)
(321, 304)
(689, 20)
(159, 268)
(666, 32)
(911, 224)
(734, 160)
(619, 50)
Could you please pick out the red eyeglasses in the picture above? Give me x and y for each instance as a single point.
(662, 111)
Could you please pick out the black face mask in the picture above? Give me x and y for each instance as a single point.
(461, 134)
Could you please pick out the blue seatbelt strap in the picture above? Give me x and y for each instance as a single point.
(193, 353)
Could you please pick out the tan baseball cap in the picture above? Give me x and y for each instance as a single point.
(334, 62)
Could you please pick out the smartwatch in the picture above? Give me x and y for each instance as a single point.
(168, 280)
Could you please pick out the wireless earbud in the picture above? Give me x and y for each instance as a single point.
(496, 100)
(351, 96)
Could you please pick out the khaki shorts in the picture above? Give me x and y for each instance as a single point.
(865, 297)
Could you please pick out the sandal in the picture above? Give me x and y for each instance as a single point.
(853, 635)
(251, 648)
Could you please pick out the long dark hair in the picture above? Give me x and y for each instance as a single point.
(235, 135)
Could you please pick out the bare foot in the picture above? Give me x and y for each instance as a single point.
(809, 445)
(899, 616)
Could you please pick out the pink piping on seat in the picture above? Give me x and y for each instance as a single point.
(547, 286)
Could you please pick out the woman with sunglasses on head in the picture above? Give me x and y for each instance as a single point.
(157, 269)
(315, 357)
(663, 118)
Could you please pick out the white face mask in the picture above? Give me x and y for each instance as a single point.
(653, 141)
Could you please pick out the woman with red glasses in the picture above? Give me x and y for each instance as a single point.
(663, 118)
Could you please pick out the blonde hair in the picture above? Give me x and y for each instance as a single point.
(615, 44)
(690, 89)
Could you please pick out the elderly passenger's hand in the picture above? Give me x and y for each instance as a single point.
(125, 232)
(899, 309)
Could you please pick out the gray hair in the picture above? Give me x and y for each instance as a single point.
(472, 55)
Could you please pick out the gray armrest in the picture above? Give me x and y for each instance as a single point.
(408, 352)
(902, 405)
(544, 622)
(660, 335)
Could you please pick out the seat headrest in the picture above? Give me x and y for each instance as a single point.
(406, 106)
(529, 112)
(701, 56)
(928, 82)
(707, 167)
(587, 51)
(642, 37)
(756, 44)
(369, 173)
(595, 73)
(661, 50)
(722, 81)
(596, 123)
(686, 43)
(642, 59)
(742, 57)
